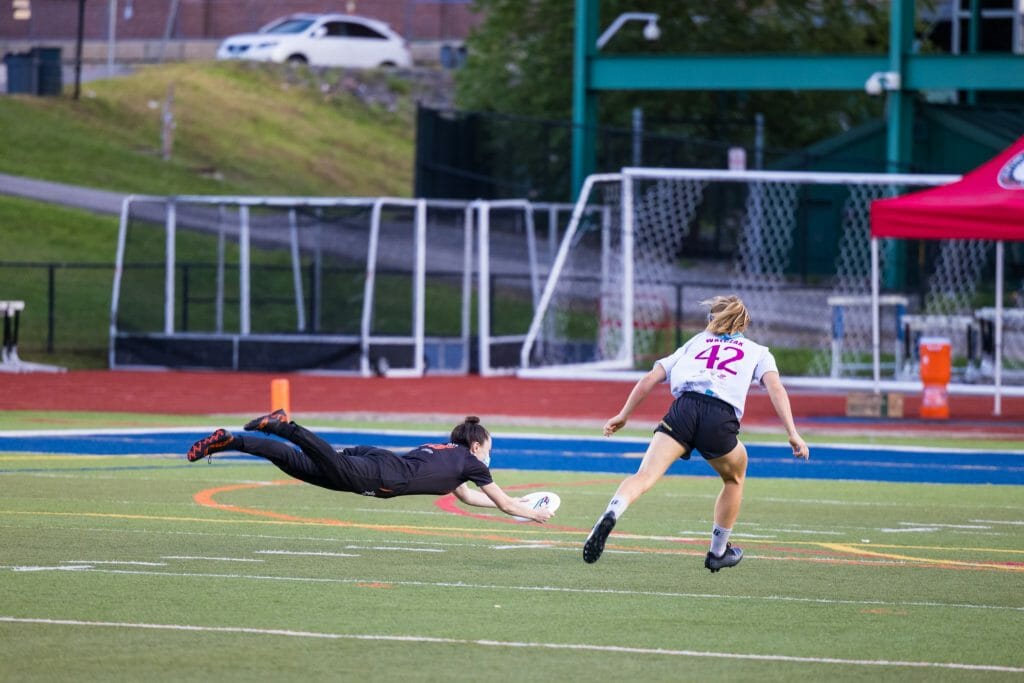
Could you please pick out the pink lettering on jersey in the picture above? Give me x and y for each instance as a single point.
(729, 355)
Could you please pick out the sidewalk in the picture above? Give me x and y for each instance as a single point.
(97, 201)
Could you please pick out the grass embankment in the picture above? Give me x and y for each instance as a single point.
(239, 129)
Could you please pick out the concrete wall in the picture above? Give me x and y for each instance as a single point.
(416, 20)
(152, 51)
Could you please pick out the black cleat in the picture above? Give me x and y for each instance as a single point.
(268, 423)
(594, 545)
(730, 558)
(220, 440)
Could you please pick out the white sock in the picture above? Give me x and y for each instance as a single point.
(616, 506)
(719, 537)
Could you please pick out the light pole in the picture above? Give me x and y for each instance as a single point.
(651, 30)
(584, 108)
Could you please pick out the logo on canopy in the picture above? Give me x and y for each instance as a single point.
(1011, 175)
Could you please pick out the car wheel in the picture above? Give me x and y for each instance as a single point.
(388, 65)
(297, 59)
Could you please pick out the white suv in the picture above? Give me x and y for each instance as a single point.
(321, 40)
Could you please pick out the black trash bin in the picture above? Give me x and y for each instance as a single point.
(50, 74)
(21, 73)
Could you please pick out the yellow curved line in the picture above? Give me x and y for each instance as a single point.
(839, 547)
(209, 520)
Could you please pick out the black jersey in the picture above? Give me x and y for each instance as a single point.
(428, 469)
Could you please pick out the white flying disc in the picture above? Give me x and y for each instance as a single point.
(538, 500)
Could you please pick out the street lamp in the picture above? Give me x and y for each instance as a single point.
(882, 81)
(651, 30)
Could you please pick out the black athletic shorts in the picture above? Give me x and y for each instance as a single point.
(703, 422)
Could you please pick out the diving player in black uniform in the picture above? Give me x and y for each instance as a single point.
(430, 469)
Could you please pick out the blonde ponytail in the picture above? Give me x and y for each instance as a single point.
(726, 315)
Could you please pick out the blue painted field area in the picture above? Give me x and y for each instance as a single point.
(583, 454)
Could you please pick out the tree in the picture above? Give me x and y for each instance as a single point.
(521, 63)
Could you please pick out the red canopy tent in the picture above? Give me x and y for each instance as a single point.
(985, 204)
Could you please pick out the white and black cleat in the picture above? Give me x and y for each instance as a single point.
(730, 558)
(594, 545)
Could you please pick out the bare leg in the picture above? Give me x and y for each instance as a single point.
(661, 453)
(732, 468)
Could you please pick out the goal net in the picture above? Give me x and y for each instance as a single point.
(348, 285)
(265, 283)
(646, 245)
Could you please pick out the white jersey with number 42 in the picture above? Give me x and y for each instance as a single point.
(719, 366)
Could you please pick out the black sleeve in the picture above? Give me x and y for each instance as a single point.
(477, 472)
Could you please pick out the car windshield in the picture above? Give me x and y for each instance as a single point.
(289, 26)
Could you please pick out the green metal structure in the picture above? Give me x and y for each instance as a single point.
(902, 73)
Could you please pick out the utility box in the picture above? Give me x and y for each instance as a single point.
(874, 405)
(49, 71)
(36, 72)
(21, 73)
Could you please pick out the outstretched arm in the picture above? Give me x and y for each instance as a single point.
(473, 497)
(640, 391)
(494, 497)
(780, 401)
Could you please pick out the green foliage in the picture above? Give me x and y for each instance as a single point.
(522, 63)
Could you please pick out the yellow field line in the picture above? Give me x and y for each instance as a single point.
(292, 522)
(875, 546)
(839, 547)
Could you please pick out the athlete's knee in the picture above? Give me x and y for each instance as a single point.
(645, 480)
(732, 478)
(637, 484)
(732, 467)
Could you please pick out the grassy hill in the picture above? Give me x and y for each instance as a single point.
(239, 129)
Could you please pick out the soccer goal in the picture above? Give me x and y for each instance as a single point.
(795, 246)
(348, 285)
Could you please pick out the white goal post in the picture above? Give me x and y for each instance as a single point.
(378, 285)
(606, 308)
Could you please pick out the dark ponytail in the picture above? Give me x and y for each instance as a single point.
(470, 432)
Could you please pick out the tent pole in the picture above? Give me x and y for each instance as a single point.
(876, 370)
(998, 407)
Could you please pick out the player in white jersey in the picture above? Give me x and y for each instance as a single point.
(709, 377)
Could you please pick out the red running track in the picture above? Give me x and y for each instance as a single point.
(201, 393)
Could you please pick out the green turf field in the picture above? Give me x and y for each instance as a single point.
(147, 568)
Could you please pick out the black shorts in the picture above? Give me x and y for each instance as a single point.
(703, 422)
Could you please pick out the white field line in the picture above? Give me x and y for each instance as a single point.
(211, 559)
(513, 644)
(385, 547)
(938, 524)
(65, 568)
(129, 562)
(305, 553)
(536, 546)
(1015, 522)
(546, 589)
(264, 537)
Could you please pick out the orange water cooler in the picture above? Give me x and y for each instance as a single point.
(936, 370)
